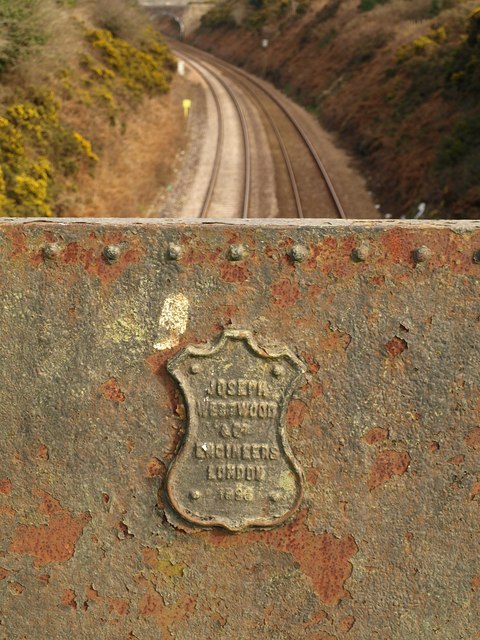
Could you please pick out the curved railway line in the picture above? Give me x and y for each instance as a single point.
(297, 161)
(221, 139)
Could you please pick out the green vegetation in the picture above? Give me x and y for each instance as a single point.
(65, 68)
(368, 5)
(398, 79)
(220, 16)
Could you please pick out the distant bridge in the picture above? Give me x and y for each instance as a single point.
(186, 15)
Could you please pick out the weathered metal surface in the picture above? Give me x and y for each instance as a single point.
(235, 468)
(384, 424)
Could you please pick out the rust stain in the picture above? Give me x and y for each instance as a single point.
(473, 439)
(475, 582)
(322, 635)
(285, 293)
(115, 604)
(111, 391)
(312, 364)
(90, 258)
(399, 246)
(376, 435)
(91, 594)
(153, 604)
(475, 490)
(388, 464)
(396, 346)
(155, 468)
(235, 272)
(198, 252)
(4, 573)
(312, 475)
(296, 412)
(42, 453)
(18, 242)
(52, 542)
(315, 619)
(332, 555)
(5, 486)
(334, 339)
(346, 624)
(118, 605)
(456, 460)
(433, 446)
(68, 599)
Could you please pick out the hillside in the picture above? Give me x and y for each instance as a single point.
(83, 108)
(397, 80)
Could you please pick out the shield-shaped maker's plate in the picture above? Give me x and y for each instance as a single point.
(235, 468)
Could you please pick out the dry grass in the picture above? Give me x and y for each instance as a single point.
(393, 112)
(135, 164)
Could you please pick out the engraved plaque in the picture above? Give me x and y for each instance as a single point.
(235, 468)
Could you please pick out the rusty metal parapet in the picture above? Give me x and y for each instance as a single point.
(385, 426)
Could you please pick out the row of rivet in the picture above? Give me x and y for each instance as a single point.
(236, 252)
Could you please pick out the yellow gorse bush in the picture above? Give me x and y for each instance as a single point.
(423, 45)
(39, 152)
(139, 70)
(33, 148)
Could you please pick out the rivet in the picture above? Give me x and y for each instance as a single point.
(361, 253)
(195, 368)
(422, 254)
(174, 251)
(195, 495)
(476, 256)
(298, 252)
(237, 252)
(51, 251)
(111, 252)
(278, 371)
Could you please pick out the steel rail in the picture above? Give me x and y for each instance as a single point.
(246, 141)
(330, 187)
(283, 149)
(220, 137)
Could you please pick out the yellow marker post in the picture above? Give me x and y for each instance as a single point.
(186, 107)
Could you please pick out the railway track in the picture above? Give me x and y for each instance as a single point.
(207, 75)
(303, 185)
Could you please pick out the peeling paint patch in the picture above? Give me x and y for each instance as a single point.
(376, 435)
(111, 391)
(172, 322)
(396, 346)
(155, 468)
(296, 412)
(118, 605)
(473, 439)
(475, 491)
(52, 542)
(331, 567)
(68, 599)
(388, 464)
(5, 486)
(153, 604)
(346, 624)
(285, 293)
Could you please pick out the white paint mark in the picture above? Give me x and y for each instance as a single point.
(172, 322)
(204, 446)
